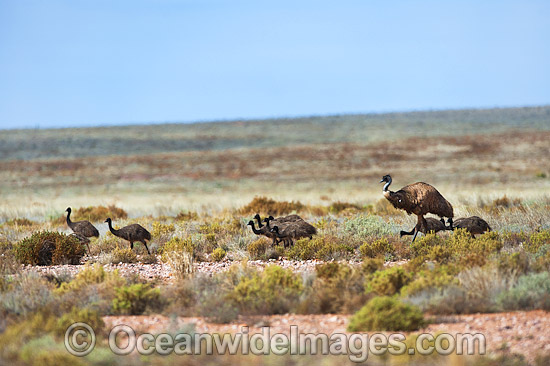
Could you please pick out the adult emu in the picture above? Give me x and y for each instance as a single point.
(82, 229)
(132, 233)
(420, 199)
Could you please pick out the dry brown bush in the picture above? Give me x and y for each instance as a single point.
(268, 206)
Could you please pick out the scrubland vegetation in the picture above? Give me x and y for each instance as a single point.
(363, 268)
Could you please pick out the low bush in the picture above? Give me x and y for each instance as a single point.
(537, 240)
(273, 291)
(389, 281)
(337, 288)
(180, 255)
(123, 255)
(380, 247)
(257, 249)
(517, 263)
(268, 206)
(431, 277)
(531, 291)
(320, 247)
(162, 232)
(385, 313)
(362, 227)
(45, 248)
(135, 299)
(424, 245)
(76, 315)
(218, 255)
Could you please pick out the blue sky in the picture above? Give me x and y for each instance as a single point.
(97, 62)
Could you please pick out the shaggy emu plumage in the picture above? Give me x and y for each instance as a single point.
(132, 233)
(473, 224)
(82, 229)
(420, 199)
(293, 230)
(432, 224)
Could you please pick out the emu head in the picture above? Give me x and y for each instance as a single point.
(251, 223)
(267, 219)
(68, 210)
(275, 229)
(385, 179)
(108, 220)
(257, 216)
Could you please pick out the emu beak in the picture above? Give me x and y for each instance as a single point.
(381, 181)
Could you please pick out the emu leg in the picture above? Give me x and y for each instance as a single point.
(88, 248)
(415, 234)
(402, 233)
(450, 223)
(144, 243)
(131, 245)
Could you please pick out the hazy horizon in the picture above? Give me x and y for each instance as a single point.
(87, 64)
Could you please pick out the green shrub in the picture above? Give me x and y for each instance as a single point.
(424, 245)
(386, 314)
(273, 291)
(371, 265)
(24, 294)
(178, 245)
(45, 248)
(532, 291)
(134, 299)
(537, 240)
(389, 281)
(90, 317)
(514, 263)
(218, 254)
(123, 255)
(365, 226)
(472, 252)
(257, 249)
(180, 255)
(337, 288)
(320, 247)
(379, 247)
(429, 277)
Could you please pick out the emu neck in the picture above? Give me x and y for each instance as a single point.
(111, 229)
(259, 222)
(386, 186)
(257, 232)
(69, 218)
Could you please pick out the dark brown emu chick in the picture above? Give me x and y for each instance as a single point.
(473, 224)
(420, 199)
(82, 229)
(263, 230)
(432, 224)
(132, 233)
